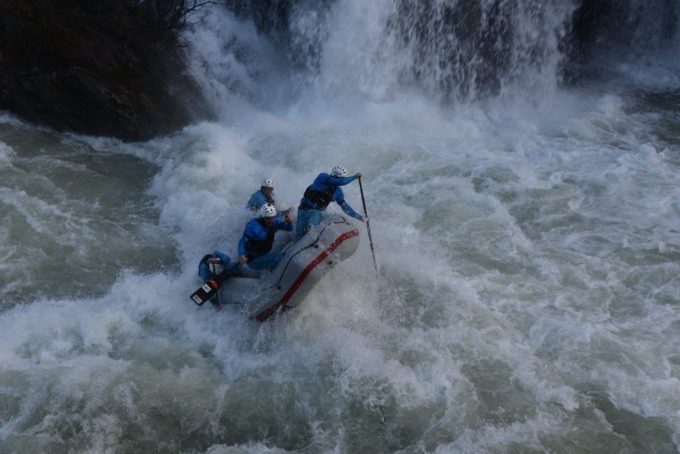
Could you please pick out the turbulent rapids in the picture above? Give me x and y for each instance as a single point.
(521, 164)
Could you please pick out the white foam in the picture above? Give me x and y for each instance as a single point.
(6, 154)
(527, 255)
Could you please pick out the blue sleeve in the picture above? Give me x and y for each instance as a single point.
(222, 256)
(350, 211)
(248, 232)
(281, 225)
(256, 201)
(339, 198)
(226, 260)
(242, 246)
(338, 181)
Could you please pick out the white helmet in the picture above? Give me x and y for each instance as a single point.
(267, 211)
(216, 268)
(339, 171)
(267, 183)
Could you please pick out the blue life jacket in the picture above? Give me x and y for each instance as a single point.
(316, 199)
(255, 247)
(258, 199)
(258, 239)
(324, 190)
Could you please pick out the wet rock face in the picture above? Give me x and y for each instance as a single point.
(99, 67)
(598, 26)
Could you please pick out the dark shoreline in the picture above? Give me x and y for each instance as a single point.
(105, 68)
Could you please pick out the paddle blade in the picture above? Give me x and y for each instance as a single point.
(205, 292)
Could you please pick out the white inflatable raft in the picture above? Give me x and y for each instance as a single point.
(304, 264)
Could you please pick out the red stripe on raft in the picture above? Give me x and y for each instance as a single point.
(265, 314)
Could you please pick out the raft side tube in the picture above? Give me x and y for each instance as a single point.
(304, 264)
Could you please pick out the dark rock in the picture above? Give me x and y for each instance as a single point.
(599, 26)
(269, 16)
(99, 67)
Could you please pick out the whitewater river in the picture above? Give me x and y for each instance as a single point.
(528, 297)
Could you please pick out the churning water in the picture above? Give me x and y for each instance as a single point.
(528, 238)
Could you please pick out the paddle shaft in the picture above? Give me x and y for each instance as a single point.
(368, 227)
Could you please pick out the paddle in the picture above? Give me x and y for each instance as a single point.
(205, 292)
(368, 227)
(208, 290)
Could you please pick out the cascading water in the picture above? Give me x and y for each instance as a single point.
(455, 50)
(527, 236)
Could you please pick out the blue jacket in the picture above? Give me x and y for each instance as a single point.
(203, 270)
(324, 190)
(258, 199)
(257, 240)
